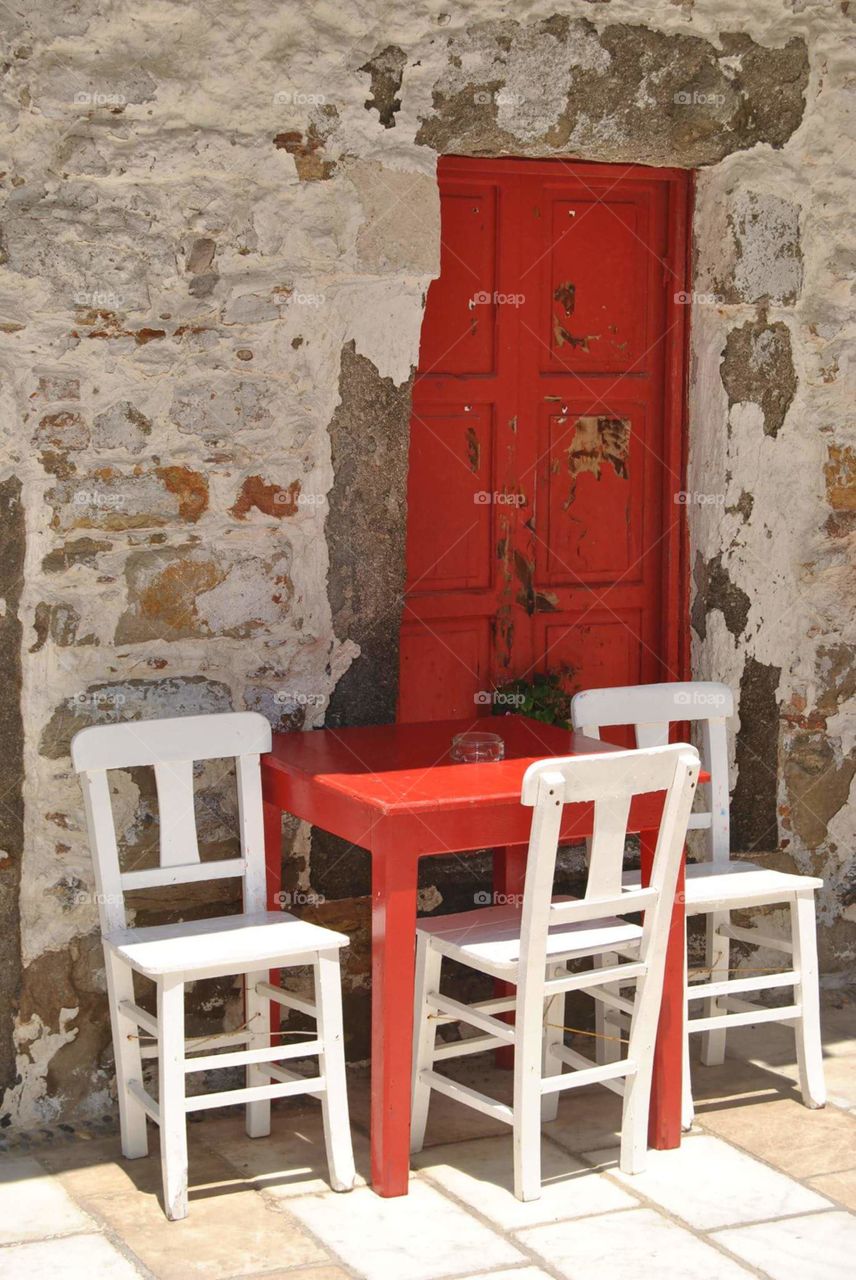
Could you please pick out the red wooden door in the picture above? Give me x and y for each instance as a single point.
(546, 435)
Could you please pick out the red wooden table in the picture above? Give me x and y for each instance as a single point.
(392, 790)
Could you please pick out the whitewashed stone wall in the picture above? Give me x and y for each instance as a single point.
(219, 225)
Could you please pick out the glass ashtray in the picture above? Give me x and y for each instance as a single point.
(475, 748)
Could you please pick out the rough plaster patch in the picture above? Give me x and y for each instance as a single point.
(366, 526)
(386, 69)
(769, 258)
(28, 1100)
(715, 590)
(817, 783)
(754, 815)
(757, 366)
(401, 214)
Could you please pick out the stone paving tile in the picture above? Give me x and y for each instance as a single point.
(797, 1140)
(226, 1233)
(292, 1161)
(88, 1257)
(821, 1246)
(34, 1205)
(839, 1186)
(710, 1184)
(419, 1236)
(480, 1173)
(638, 1243)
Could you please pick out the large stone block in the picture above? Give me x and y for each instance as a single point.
(145, 498)
(625, 93)
(175, 593)
(123, 427)
(217, 411)
(115, 701)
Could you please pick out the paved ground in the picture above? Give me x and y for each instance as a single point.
(761, 1187)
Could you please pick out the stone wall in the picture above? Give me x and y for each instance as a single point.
(219, 225)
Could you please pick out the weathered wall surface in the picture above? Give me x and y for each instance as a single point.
(219, 224)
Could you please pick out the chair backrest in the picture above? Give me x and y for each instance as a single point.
(171, 746)
(650, 710)
(610, 782)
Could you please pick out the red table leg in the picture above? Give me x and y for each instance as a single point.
(394, 882)
(664, 1125)
(272, 818)
(509, 876)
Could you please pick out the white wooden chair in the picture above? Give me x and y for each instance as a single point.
(720, 885)
(530, 948)
(174, 954)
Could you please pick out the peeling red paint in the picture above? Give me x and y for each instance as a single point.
(561, 336)
(473, 450)
(597, 441)
(565, 293)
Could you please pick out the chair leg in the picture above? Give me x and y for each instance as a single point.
(554, 1034)
(257, 1013)
(807, 1029)
(527, 1106)
(126, 1051)
(718, 958)
(171, 1096)
(331, 1063)
(428, 963)
(637, 1087)
(687, 1107)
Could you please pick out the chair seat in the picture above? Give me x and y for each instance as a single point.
(232, 944)
(491, 936)
(710, 884)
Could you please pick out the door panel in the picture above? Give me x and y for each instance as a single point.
(593, 303)
(449, 530)
(546, 438)
(590, 494)
(440, 665)
(465, 288)
(600, 646)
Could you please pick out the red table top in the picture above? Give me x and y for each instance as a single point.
(350, 780)
(405, 768)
